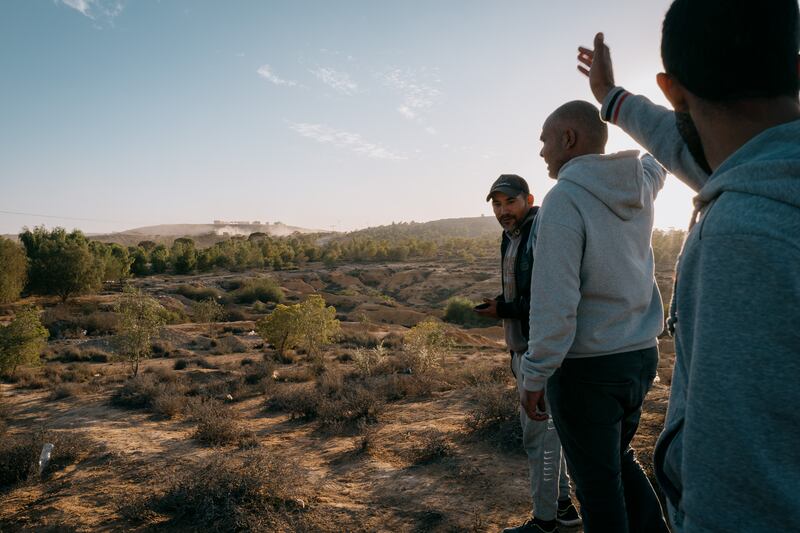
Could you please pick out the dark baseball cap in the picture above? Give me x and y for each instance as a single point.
(509, 184)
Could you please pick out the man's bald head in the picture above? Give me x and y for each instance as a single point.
(572, 130)
(584, 118)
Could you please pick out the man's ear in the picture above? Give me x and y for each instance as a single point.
(530, 200)
(568, 138)
(674, 91)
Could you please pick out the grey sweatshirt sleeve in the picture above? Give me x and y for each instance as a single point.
(654, 174)
(653, 127)
(555, 290)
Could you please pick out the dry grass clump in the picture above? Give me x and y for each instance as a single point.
(4, 415)
(29, 378)
(479, 374)
(370, 361)
(300, 374)
(250, 490)
(161, 348)
(75, 354)
(67, 390)
(152, 390)
(335, 401)
(68, 320)
(431, 446)
(19, 454)
(228, 344)
(218, 425)
(495, 415)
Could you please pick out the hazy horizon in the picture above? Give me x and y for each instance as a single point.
(320, 115)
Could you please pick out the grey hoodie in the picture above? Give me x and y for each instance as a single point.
(593, 290)
(729, 456)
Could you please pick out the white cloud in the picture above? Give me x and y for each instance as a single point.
(417, 95)
(97, 10)
(338, 81)
(265, 71)
(343, 139)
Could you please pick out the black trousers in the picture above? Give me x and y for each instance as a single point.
(596, 404)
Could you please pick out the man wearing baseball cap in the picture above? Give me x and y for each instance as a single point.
(513, 206)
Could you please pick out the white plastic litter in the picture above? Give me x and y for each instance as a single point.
(229, 398)
(44, 457)
(251, 333)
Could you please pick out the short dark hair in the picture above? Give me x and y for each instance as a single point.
(585, 117)
(724, 50)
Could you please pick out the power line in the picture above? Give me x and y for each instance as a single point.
(59, 217)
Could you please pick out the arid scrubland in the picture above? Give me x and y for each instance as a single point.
(402, 417)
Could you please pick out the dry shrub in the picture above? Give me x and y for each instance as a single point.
(296, 375)
(335, 402)
(228, 344)
(19, 455)
(4, 415)
(432, 445)
(181, 364)
(395, 387)
(169, 403)
(237, 386)
(161, 348)
(250, 490)
(202, 362)
(67, 390)
(66, 320)
(218, 425)
(481, 373)
(297, 400)
(369, 361)
(73, 373)
(140, 392)
(358, 339)
(162, 374)
(27, 378)
(496, 415)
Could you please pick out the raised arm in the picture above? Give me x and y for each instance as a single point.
(652, 126)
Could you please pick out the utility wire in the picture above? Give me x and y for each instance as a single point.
(60, 218)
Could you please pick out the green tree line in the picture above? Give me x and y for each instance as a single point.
(61, 263)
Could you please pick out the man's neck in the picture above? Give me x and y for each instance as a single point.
(726, 128)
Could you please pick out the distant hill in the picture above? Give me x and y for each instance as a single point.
(466, 228)
(203, 234)
(207, 234)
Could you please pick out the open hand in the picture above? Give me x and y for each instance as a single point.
(534, 405)
(596, 64)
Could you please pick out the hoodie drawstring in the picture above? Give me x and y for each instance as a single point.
(672, 319)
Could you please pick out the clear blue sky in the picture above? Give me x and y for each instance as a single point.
(317, 114)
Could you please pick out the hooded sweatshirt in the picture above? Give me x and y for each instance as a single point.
(593, 290)
(731, 442)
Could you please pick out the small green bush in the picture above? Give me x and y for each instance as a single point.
(459, 310)
(199, 293)
(258, 289)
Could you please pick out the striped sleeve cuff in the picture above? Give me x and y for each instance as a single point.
(612, 104)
